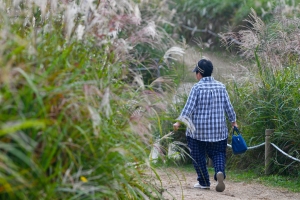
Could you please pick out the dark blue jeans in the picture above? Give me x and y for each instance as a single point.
(214, 150)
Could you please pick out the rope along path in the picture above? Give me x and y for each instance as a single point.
(262, 144)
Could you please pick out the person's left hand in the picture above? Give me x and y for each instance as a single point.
(176, 126)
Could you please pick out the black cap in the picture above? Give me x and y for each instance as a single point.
(204, 67)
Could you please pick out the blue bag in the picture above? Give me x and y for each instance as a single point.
(238, 143)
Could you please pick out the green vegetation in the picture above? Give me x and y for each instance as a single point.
(81, 107)
(269, 97)
(221, 16)
(76, 118)
(290, 183)
(265, 97)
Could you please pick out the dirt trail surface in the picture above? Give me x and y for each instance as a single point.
(179, 185)
(224, 66)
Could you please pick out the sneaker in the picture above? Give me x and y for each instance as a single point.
(220, 184)
(197, 185)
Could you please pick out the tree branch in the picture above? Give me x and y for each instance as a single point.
(229, 40)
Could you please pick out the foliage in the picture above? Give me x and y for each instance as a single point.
(269, 99)
(276, 42)
(74, 124)
(171, 147)
(220, 16)
(290, 183)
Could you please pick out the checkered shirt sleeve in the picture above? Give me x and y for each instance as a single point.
(204, 111)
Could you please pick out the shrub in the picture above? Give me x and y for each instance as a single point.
(269, 100)
(208, 18)
(72, 124)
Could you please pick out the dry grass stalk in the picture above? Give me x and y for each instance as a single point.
(276, 43)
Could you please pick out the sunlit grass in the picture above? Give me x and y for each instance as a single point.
(73, 125)
(269, 100)
(290, 183)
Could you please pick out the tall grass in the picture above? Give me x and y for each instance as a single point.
(72, 123)
(269, 99)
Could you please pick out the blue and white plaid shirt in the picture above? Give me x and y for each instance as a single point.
(204, 111)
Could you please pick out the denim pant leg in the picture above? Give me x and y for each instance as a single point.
(198, 153)
(217, 152)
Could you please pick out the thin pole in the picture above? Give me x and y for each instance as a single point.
(268, 150)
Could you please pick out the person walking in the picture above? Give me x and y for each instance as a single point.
(207, 132)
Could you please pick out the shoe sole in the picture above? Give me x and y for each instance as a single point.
(202, 187)
(220, 186)
(205, 188)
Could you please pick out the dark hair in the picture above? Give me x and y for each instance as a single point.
(204, 67)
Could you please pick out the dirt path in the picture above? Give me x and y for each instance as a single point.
(179, 185)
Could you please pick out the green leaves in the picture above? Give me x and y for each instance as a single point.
(67, 108)
(270, 101)
(13, 127)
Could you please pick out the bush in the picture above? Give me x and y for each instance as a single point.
(269, 100)
(208, 18)
(72, 124)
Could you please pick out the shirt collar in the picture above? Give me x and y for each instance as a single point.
(208, 78)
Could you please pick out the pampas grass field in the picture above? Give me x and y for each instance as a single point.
(82, 106)
(73, 123)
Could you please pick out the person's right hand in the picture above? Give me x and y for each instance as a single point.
(234, 124)
(176, 126)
